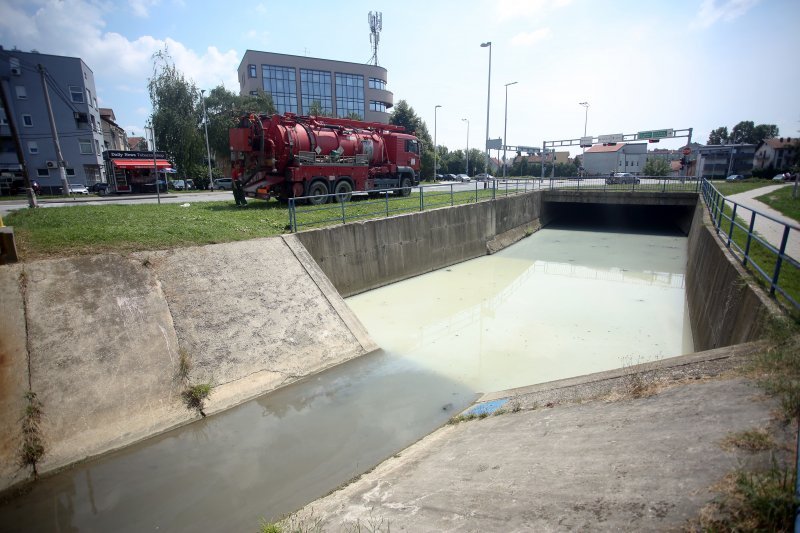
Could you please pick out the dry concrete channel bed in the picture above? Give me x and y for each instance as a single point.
(564, 457)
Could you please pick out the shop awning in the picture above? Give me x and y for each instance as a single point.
(141, 163)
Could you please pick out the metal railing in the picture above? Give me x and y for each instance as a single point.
(737, 225)
(307, 211)
(311, 211)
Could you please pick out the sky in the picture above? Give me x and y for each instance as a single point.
(640, 65)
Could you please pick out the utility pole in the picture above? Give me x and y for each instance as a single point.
(18, 145)
(62, 166)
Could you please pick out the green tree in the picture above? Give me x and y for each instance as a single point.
(404, 115)
(765, 131)
(175, 119)
(224, 109)
(657, 166)
(746, 132)
(718, 136)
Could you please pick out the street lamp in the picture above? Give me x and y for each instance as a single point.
(208, 150)
(488, 99)
(586, 119)
(505, 131)
(467, 121)
(435, 146)
(152, 129)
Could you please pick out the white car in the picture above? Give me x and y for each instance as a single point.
(223, 184)
(462, 177)
(78, 188)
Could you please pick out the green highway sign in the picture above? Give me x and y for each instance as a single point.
(655, 134)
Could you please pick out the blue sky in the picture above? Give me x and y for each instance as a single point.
(640, 65)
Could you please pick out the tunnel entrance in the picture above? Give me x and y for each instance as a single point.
(636, 219)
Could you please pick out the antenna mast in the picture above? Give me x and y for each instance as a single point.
(375, 27)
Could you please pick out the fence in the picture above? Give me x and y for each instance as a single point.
(322, 210)
(746, 237)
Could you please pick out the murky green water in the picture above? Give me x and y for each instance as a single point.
(558, 304)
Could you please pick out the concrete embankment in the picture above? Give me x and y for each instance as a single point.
(99, 340)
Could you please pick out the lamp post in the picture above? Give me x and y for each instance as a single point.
(488, 100)
(505, 131)
(435, 146)
(467, 121)
(152, 129)
(208, 150)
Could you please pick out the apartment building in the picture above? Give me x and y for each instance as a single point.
(71, 87)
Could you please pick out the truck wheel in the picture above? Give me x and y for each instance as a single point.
(405, 186)
(343, 191)
(318, 191)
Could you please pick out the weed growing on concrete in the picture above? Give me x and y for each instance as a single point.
(293, 524)
(639, 383)
(755, 440)
(194, 396)
(462, 418)
(515, 405)
(32, 449)
(755, 501)
(184, 364)
(778, 367)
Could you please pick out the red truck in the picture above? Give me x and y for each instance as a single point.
(288, 156)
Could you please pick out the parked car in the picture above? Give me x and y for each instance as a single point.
(178, 185)
(223, 184)
(449, 177)
(151, 187)
(786, 176)
(462, 177)
(190, 185)
(78, 188)
(16, 186)
(622, 178)
(99, 188)
(734, 177)
(484, 177)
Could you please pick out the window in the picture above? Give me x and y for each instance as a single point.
(253, 93)
(22, 94)
(281, 83)
(412, 146)
(377, 106)
(97, 146)
(27, 121)
(33, 147)
(315, 87)
(3, 119)
(85, 146)
(43, 172)
(76, 94)
(251, 70)
(349, 94)
(89, 97)
(15, 69)
(377, 83)
(71, 172)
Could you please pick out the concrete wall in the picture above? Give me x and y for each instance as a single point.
(361, 256)
(99, 339)
(724, 305)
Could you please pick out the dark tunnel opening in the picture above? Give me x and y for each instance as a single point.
(641, 219)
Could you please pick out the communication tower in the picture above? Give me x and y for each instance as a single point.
(375, 27)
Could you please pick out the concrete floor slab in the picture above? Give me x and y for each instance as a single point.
(632, 465)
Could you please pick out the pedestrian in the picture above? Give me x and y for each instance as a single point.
(238, 186)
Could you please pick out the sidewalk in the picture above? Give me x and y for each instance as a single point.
(643, 464)
(770, 230)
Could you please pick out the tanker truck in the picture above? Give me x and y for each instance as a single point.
(289, 156)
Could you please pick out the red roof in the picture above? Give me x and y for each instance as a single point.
(598, 149)
(780, 142)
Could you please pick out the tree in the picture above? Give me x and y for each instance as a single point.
(175, 119)
(657, 166)
(718, 136)
(765, 131)
(746, 132)
(224, 109)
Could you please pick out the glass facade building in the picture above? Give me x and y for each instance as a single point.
(300, 84)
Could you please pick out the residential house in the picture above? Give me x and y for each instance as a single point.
(601, 160)
(778, 153)
(114, 137)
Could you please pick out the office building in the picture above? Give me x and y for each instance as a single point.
(299, 84)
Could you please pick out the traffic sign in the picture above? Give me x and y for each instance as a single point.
(494, 144)
(655, 134)
(526, 149)
(586, 142)
(613, 138)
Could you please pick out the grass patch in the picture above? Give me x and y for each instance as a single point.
(727, 188)
(754, 440)
(754, 501)
(195, 396)
(314, 524)
(90, 229)
(641, 383)
(782, 201)
(32, 448)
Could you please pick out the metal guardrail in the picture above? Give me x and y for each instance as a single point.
(388, 202)
(773, 264)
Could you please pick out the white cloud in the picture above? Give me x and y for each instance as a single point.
(530, 38)
(712, 11)
(141, 8)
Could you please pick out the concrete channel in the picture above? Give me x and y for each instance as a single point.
(106, 369)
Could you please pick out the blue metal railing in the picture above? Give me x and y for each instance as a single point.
(727, 216)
